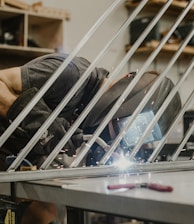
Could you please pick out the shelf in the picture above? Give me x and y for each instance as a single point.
(46, 32)
(167, 48)
(20, 50)
(56, 15)
(26, 34)
(174, 10)
(175, 7)
(175, 4)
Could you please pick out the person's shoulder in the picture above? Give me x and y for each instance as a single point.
(57, 56)
(53, 56)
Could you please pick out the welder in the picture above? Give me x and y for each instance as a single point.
(18, 85)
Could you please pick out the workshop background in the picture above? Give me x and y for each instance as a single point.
(83, 15)
(80, 17)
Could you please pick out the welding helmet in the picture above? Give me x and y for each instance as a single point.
(134, 98)
(139, 125)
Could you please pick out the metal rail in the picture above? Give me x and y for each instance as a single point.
(106, 170)
(80, 172)
(179, 116)
(161, 110)
(50, 81)
(118, 103)
(149, 60)
(97, 96)
(43, 90)
(146, 99)
(183, 142)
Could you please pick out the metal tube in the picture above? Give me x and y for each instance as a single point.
(167, 36)
(161, 110)
(99, 140)
(81, 172)
(97, 96)
(57, 73)
(42, 91)
(163, 140)
(50, 156)
(66, 99)
(129, 88)
(146, 99)
(183, 142)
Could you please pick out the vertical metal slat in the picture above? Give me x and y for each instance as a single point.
(146, 98)
(43, 90)
(85, 112)
(118, 103)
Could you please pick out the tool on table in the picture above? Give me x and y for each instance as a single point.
(152, 186)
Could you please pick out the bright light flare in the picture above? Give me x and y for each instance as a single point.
(123, 163)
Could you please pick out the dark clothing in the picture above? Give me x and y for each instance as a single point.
(34, 75)
(36, 72)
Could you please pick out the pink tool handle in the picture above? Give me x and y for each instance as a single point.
(160, 187)
(118, 186)
(152, 186)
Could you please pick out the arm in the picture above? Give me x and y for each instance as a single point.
(33, 122)
(11, 77)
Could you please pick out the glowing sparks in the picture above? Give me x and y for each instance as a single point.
(123, 163)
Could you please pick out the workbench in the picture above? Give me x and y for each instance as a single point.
(91, 194)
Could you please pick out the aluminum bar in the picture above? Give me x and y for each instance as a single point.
(43, 90)
(147, 97)
(126, 92)
(81, 172)
(161, 110)
(183, 142)
(85, 112)
(74, 126)
(57, 73)
(163, 140)
(99, 140)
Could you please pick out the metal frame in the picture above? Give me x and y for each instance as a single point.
(87, 172)
(12, 175)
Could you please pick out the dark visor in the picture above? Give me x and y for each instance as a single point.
(137, 128)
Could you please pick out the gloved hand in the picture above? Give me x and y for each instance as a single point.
(34, 120)
(75, 141)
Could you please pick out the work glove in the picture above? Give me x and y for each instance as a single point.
(32, 122)
(76, 141)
